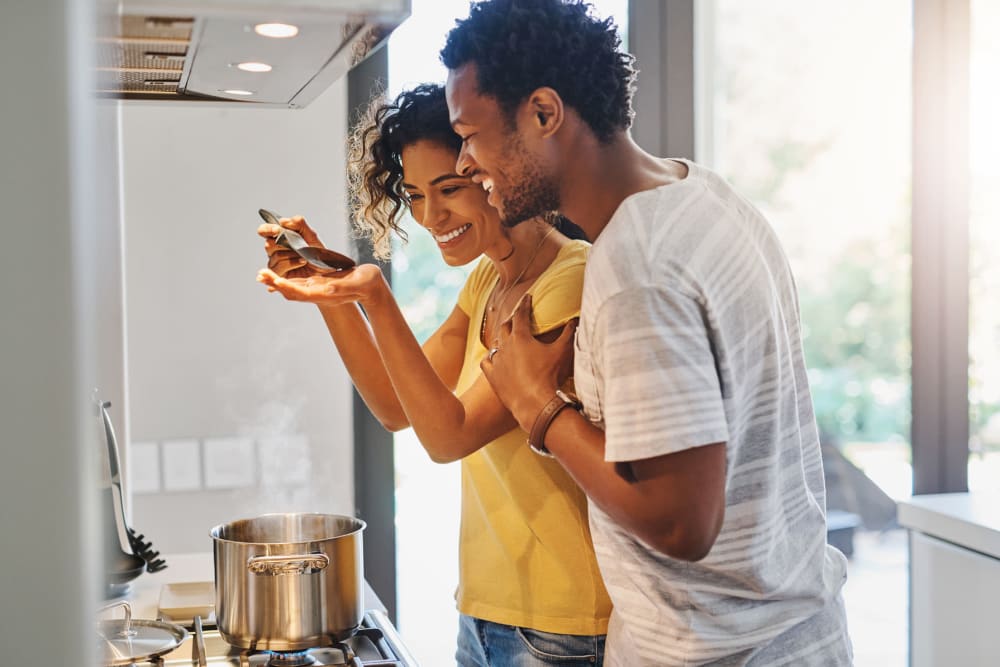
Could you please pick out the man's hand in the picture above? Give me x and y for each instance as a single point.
(525, 372)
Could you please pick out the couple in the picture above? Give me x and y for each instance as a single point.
(693, 461)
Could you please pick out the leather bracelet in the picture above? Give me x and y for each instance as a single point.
(536, 439)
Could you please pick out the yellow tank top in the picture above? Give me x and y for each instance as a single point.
(525, 553)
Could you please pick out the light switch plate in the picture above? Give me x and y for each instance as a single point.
(230, 463)
(144, 467)
(181, 465)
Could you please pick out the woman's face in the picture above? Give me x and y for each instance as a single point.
(451, 207)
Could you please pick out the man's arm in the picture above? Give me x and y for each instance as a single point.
(675, 503)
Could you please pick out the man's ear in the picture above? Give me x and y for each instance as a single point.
(547, 111)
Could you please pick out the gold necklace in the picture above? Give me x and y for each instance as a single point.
(502, 296)
(497, 300)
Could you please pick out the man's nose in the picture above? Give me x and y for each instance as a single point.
(465, 166)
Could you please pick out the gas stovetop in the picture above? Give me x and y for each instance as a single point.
(375, 644)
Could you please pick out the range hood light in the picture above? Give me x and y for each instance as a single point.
(206, 51)
(276, 30)
(254, 67)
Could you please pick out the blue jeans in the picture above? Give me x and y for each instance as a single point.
(486, 644)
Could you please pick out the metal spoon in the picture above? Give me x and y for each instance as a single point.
(320, 258)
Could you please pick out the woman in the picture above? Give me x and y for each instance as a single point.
(529, 589)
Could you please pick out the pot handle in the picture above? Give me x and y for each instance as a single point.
(278, 565)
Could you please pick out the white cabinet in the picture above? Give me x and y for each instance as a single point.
(954, 579)
(954, 605)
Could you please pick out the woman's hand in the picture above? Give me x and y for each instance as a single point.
(283, 261)
(362, 284)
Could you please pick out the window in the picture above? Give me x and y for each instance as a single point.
(427, 494)
(808, 114)
(818, 137)
(984, 260)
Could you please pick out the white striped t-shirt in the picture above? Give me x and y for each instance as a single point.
(689, 335)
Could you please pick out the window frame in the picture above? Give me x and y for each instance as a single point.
(374, 459)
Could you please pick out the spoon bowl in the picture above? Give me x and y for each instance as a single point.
(322, 259)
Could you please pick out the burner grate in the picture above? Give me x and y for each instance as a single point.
(374, 644)
(291, 659)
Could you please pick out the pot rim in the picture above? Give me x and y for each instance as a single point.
(361, 525)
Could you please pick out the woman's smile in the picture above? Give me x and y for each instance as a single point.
(447, 239)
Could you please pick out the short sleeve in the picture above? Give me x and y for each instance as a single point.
(556, 295)
(662, 392)
(478, 281)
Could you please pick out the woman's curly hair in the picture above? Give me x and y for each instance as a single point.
(375, 165)
(521, 45)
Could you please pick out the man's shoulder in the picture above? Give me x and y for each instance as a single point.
(656, 233)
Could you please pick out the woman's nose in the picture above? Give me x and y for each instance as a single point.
(433, 214)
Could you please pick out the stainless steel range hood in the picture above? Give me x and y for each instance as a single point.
(220, 51)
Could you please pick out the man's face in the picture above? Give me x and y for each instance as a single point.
(499, 153)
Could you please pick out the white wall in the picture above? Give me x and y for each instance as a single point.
(211, 354)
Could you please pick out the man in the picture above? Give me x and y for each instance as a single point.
(697, 445)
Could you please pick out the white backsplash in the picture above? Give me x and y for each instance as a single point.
(238, 396)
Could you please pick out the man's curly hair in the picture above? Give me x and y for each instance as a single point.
(375, 166)
(520, 45)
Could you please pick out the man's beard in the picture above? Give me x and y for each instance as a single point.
(535, 192)
(534, 195)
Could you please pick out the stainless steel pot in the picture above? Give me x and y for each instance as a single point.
(288, 582)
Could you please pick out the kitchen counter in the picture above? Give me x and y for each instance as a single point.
(970, 520)
(954, 578)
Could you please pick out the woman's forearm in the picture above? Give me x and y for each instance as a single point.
(447, 427)
(353, 337)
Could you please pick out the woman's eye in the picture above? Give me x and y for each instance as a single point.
(412, 197)
(451, 189)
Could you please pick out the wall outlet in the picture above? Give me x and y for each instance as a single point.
(144, 467)
(181, 465)
(230, 463)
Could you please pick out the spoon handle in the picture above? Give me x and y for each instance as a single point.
(287, 237)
